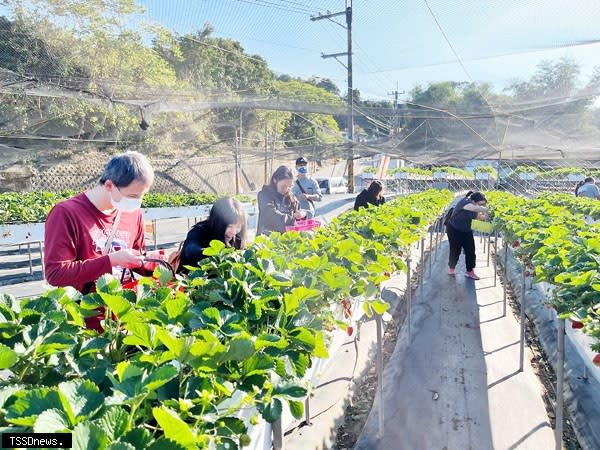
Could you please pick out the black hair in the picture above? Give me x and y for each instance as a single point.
(284, 173)
(476, 196)
(588, 180)
(375, 188)
(227, 211)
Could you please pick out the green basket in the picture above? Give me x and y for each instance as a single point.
(480, 225)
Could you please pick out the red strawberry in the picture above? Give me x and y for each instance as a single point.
(596, 359)
(350, 330)
(387, 274)
(515, 244)
(576, 324)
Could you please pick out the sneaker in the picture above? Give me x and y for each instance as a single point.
(472, 275)
(451, 271)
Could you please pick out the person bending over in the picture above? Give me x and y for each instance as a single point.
(373, 195)
(460, 235)
(226, 223)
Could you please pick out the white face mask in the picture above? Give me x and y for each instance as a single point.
(127, 203)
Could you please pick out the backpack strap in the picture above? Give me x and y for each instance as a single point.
(304, 192)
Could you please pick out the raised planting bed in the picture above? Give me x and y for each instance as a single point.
(15, 234)
(558, 251)
(186, 363)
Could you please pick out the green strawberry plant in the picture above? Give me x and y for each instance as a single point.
(33, 207)
(180, 362)
(557, 246)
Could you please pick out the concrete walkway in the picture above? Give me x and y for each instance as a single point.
(455, 383)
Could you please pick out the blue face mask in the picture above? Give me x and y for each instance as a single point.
(303, 170)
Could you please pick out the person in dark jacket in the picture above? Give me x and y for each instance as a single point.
(460, 235)
(277, 204)
(370, 196)
(226, 223)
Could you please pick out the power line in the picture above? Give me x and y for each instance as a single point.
(273, 5)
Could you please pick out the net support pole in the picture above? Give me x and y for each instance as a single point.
(307, 410)
(522, 346)
(560, 365)
(495, 261)
(408, 294)
(489, 247)
(422, 265)
(505, 278)
(277, 428)
(380, 416)
(430, 247)
(437, 237)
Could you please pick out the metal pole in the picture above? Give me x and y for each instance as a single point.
(495, 256)
(30, 262)
(408, 294)
(430, 247)
(522, 349)
(505, 284)
(379, 325)
(266, 174)
(307, 410)
(489, 246)
(560, 365)
(277, 428)
(422, 279)
(154, 232)
(437, 235)
(236, 151)
(42, 260)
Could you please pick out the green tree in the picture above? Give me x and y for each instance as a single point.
(300, 128)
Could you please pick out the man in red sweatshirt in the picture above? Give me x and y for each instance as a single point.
(101, 230)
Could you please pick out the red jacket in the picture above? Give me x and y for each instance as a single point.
(76, 233)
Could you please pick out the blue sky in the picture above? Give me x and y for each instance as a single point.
(397, 42)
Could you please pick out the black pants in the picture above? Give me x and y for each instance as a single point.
(457, 241)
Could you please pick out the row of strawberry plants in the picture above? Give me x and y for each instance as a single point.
(33, 207)
(182, 362)
(550, 236)
(560, 173)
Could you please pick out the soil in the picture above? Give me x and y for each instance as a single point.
(360, 405)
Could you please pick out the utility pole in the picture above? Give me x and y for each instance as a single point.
(395, 94)
(348, 13)
(266, 151)
(238, 156)
(235, 162)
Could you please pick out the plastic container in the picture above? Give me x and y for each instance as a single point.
(304, 225)
(480, 225)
